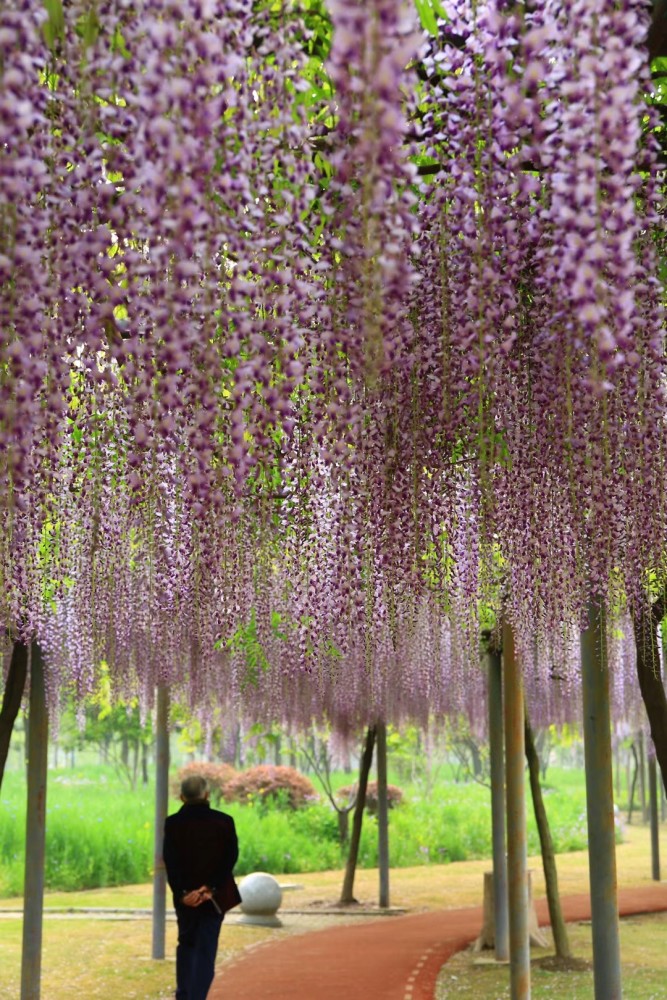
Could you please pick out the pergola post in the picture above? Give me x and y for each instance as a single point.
(161, 806)
(655, 817)
(35, 847)
(517, 861)
(497, 764)
(600, 805)
(383, 813)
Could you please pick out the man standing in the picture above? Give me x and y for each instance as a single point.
(200, 851)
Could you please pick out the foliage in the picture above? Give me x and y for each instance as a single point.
(394, 795)
(218, 777)
(99, 833)
(119, 729)
(284, 841)
(279, 785)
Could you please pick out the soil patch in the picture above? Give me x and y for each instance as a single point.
(552, 963)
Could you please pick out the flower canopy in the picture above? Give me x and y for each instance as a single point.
(322, 333)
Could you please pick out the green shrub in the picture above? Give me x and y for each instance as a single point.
(394, 796)
(286, 841)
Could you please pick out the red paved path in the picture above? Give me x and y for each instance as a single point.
(392, 958)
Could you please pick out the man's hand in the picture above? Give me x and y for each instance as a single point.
(197, 896)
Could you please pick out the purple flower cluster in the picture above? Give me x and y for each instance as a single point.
(294, 391)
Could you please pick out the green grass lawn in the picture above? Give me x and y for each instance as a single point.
(99, 834)
(644, 957)
(109, 959)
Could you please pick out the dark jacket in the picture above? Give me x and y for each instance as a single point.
(201, 848)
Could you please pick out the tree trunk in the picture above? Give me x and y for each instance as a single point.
(125, 752)
(135, 764)
(631, 793)
(650, 679)
(11, 701)
(476, 758)
(347, 892)
(558, 927)
(642, 775)
(657, 33)
(343, 817)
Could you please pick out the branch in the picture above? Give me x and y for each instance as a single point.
(659, 607)
(11, 702)
(657, 33)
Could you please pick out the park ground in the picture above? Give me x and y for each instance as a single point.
(105, 956)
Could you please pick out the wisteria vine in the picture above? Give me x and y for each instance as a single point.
(296, 378)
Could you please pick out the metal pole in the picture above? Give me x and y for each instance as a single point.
(600, 806)
(33, 893)
(383, 813)
(655, 829)
(517, 861)
(161, 806)
(500, 913)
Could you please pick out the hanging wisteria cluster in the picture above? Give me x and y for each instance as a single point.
(301, 383)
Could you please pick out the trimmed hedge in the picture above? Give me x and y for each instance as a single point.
(265, 782)
(218, 777)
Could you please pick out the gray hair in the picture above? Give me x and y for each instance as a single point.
(194, 788)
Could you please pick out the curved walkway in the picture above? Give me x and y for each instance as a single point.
(391, 958)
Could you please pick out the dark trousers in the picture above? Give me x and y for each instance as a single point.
(198, 932)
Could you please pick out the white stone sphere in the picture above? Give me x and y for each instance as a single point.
(260, 894)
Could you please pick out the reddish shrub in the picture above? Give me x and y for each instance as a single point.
(394, 795)
(217, 775)
(259, 784)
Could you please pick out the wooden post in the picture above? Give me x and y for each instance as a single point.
(517, 861)
(383, 813)
(161, 806)
(33, 893)
(600, 806)
(497, 763)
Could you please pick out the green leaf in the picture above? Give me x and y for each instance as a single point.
(118, 43)
(429, 12)
(88, 27)
(54, 26)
